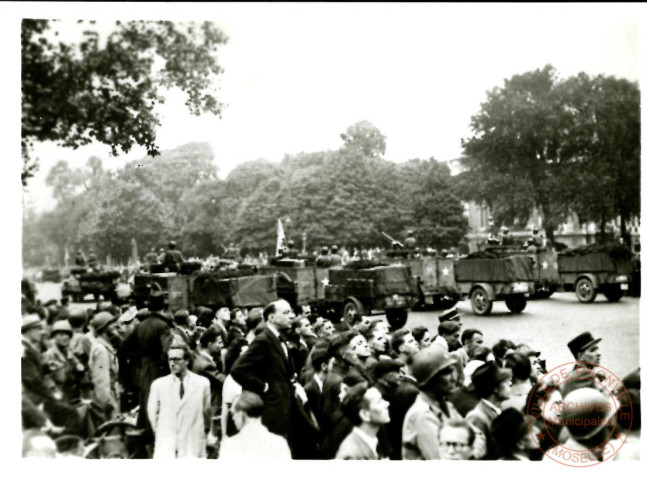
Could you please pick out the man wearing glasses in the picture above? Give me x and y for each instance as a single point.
(179, 409)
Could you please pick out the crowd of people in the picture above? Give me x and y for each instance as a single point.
(275, 382)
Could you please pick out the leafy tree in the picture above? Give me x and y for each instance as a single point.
(365, 138)
(518, 136)
(437, 211)
(106, 90)
(604, 147)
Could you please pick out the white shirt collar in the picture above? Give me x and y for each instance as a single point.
(318, 381)
(370, 441)
(496, 409)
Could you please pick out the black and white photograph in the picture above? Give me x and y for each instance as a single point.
(326, 231)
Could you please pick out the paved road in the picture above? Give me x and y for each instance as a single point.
(546, 325)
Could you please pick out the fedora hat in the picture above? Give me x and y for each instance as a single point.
(486, 377)
(451, 314)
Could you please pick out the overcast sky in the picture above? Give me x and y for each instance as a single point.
(296, 76)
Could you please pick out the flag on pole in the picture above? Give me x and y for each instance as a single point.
(67, 257)
(280, 237)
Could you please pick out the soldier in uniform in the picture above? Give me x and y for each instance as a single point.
(151, 257)
(586, 351)
(93, 261)
(173, 258)
(335, 258)
(66, 369)
(80, 260)
(505, 239)
(323, 259)
(291, 251)
(410, 241)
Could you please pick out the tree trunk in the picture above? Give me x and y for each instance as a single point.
(624, 234)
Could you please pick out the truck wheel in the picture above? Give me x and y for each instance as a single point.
(613, 293)
(481, 304)
(351, 307)
(516, 303)
(585, 291)
(397, 317)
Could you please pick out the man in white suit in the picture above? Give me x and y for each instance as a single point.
(179, 409)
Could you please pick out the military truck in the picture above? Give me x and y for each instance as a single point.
(367, 290)
(591, 269)
(544, 266)
(486, 277)
(231, 287)
(365, 287)
(434, 278)
(83, 281)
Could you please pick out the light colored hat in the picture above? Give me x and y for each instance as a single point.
(61, 326)
(428, 362)
(101, 320)
(128, 315)
(30, 321)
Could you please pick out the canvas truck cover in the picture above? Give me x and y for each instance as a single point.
(593, 262)
(494, 270)
(176, 287)
(250, 291)
(387, 280)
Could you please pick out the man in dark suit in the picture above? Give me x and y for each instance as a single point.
(321, 364)
(149, 344)
(267, 369)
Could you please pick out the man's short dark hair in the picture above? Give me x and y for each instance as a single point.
(269, 309)
(469, 333)
(354, 401)
(519, 364)
(211, 335)
(181, 317)
(320, 356)
(250, 403)
(397, 339)
(419, 333)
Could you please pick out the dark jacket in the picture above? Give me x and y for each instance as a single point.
(399, 405)
(149, 343)
(265, 362)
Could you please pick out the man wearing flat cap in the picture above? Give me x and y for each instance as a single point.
(104, 367)
(586, 351)
(492, 385)
(434, 370)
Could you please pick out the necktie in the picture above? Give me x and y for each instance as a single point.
(181, 388)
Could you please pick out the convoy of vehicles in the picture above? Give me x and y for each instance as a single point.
(405, 281)
(83, 281)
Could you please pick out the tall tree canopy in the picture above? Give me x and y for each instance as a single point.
(107, 89)
(557, 145)
(345, 197)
